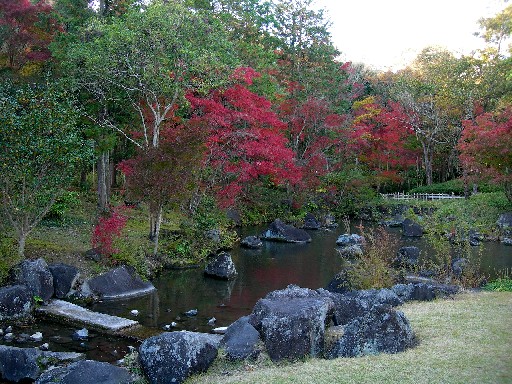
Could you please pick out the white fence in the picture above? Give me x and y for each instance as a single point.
(420, 196)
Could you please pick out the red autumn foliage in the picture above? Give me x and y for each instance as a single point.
(107, 230)
(312, 130)
(246, 141)
(379, 139)
(31, 28)
(486, 148)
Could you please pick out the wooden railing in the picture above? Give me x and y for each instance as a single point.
(420, 196)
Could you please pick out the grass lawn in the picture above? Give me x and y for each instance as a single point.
(464, 340)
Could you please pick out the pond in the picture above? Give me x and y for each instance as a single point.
(273, 267)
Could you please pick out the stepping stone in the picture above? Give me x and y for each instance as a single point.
(72, 313)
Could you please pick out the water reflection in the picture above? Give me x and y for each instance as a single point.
(273, 267)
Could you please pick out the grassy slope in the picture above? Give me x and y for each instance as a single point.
(465, 340)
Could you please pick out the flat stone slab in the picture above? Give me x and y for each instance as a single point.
(69, 312)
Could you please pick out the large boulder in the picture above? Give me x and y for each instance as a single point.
(380, 330)
(310, 222)
(118, 283)
(346, 308)
(64, 278)
(407, 257)
(411, 229)
(251, 242)
(279, 231)
(15, 302)
(221, 267)
(27, 364)
(37, 277)
(240, 340)
(86, 372)
(292, 322)
(376, 297)
(172, 357)
(347, 239)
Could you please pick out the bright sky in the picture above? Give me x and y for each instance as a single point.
(388, 34)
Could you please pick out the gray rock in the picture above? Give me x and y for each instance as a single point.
(251, 242)
(310, 222)
(346, 308)
(94, 254)
(350, 251)
(221, 267)
(340, 283)
(86, 372)
(349, 239)
(507, 241)
(329, 221)
(380, 330)
(15, 302)
(407, 257)
(279, 231)
(191, 312)
(505, 220)
(394, 222)
(37, 277)
(22, 364)
(458, 266)
(411, 229)
(376, 297)
(118, 283)
(172, 357)
(64, 278)
(292, 322)
(415, 291)
(240, 340)
(81, 334)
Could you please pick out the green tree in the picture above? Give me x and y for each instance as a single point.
(42, 147)
(146, 62)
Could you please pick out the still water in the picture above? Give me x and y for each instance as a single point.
(273, 267)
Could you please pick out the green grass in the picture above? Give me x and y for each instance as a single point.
(464, 340)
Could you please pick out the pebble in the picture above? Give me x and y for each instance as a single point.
(8, 329)
(134, 312)
(9, 336)
(220, 330)
(38, 336)
(44, 347)
(81, 334)
(168, 327)
(1, 332)
(212, 321)
(192, 312)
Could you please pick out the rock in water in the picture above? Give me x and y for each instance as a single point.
(251, 242)
(279, 231)
(411, 229)
(221, 267)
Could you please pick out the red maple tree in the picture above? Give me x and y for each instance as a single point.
(246, 142)
(486, 148)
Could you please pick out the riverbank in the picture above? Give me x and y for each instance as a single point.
(466, 339)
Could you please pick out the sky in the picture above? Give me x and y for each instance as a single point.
(388, 34)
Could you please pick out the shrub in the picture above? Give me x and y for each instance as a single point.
(9, 257)
(107, 230)
(373, 269)
(63, 205)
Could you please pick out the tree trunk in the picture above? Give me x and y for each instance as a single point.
(103, 182)
(155, 221)
(22, 239)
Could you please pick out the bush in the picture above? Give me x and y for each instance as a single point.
(373, 269)
(9, 257)
(63, 205)
(456, 187)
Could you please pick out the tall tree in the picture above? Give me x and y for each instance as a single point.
(41, 149)
(147, 61)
